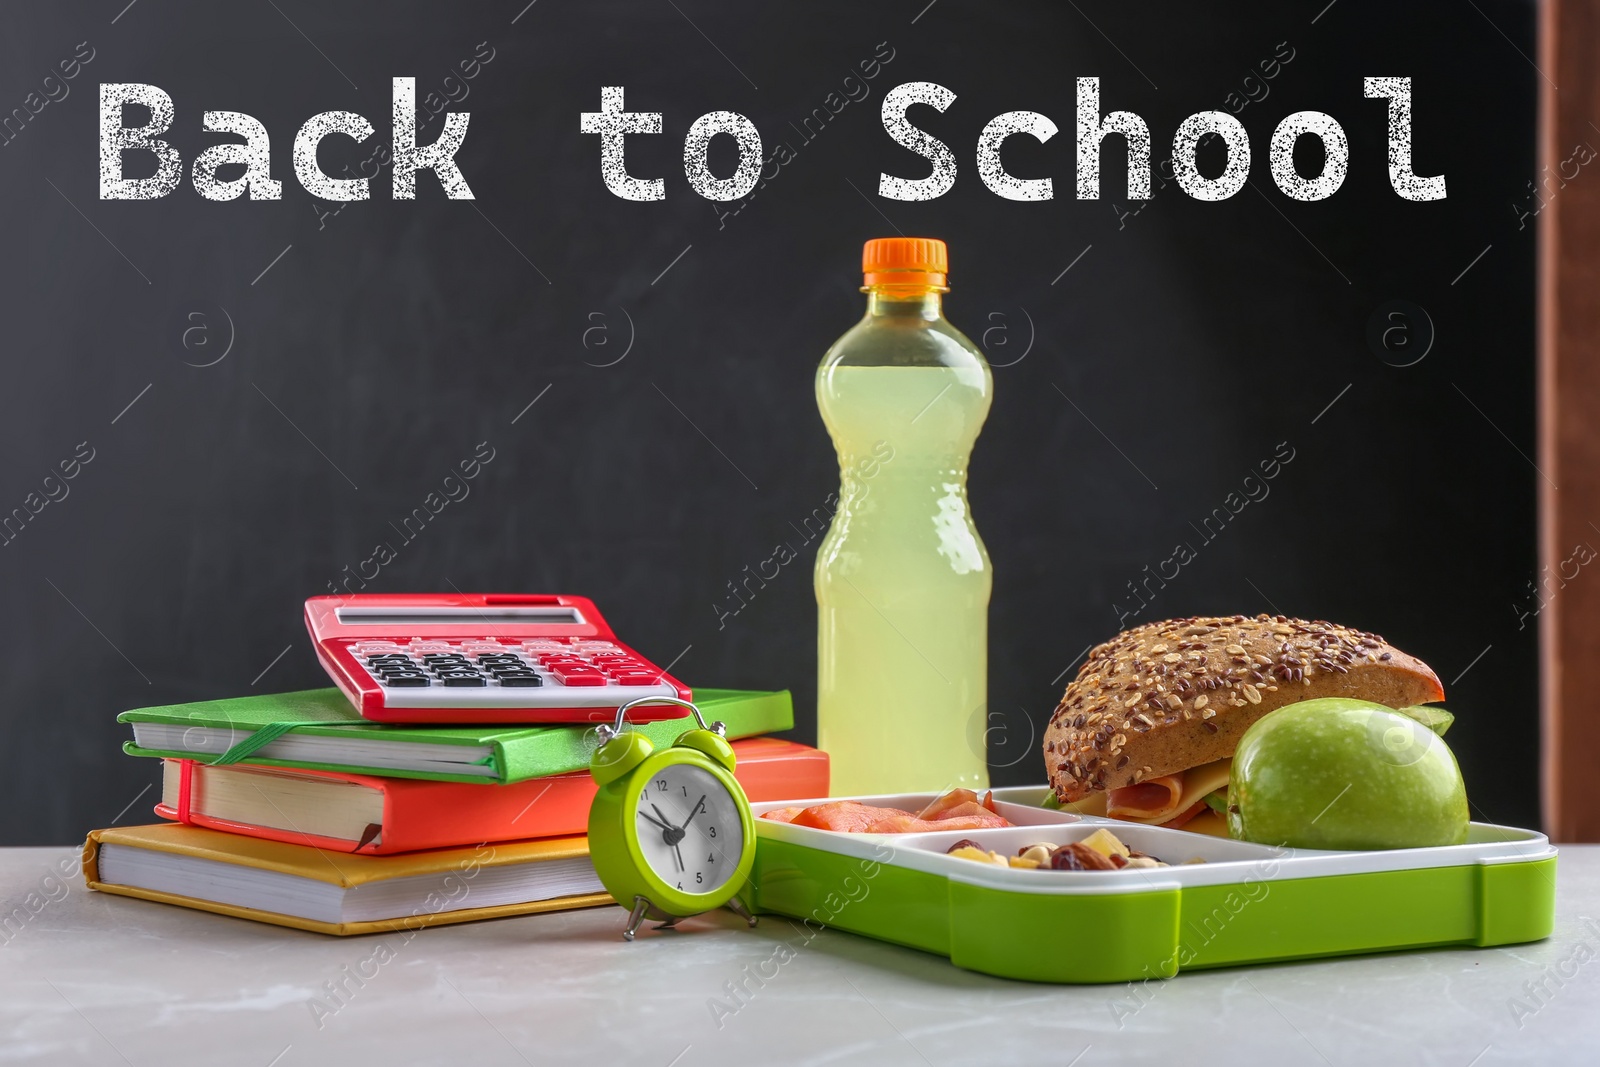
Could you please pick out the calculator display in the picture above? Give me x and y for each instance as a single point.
(423, 617)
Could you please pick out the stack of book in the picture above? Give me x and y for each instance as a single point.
(345, 826)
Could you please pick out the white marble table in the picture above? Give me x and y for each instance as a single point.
(93, 978)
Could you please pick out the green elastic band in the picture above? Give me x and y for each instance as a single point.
(263, 736)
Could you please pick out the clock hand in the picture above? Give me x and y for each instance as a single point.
(655, 820)
(671, 835)
(697, 809)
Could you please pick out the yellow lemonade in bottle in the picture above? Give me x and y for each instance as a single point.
(902, 578)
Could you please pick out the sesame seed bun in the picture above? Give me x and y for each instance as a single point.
(1167, 696)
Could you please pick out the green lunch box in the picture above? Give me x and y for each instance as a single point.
(1245, 903)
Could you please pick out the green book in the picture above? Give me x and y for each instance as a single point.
(330, 736)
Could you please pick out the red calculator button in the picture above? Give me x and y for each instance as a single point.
(581, 679)
(636, 679)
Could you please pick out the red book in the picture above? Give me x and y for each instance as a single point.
(367, 814)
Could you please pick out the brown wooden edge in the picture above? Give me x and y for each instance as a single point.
(1569, 417)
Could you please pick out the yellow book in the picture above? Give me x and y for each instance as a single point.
(337, 893)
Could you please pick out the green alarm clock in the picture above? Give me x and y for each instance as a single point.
(670, 832)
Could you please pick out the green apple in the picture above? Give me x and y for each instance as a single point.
(1336, 773)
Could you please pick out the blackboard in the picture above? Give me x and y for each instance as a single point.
(267, 388)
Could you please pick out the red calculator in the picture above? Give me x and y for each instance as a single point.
(483, 658)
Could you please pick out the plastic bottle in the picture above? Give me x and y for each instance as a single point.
(902, 578)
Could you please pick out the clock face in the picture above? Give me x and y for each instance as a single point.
(689, 828)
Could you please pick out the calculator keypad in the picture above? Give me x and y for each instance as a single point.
(544, 665)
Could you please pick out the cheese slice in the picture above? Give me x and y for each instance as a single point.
(1197, 783)
(1207, 822)
(1093, 804)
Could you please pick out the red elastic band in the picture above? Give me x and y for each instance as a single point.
(185, 786)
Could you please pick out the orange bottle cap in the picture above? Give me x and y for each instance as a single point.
(921, 261)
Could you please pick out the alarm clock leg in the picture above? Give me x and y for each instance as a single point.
(641, 905)
(736, 906)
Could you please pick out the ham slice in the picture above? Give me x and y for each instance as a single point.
(1155, 802)
(1182, 819)
(1148, 801)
